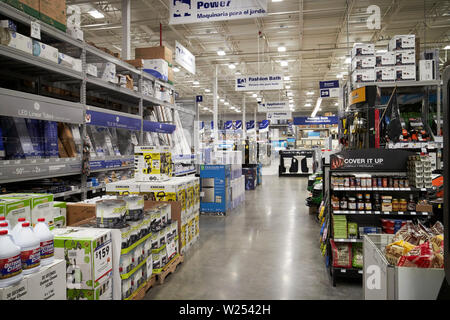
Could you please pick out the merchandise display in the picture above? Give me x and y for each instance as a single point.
(127, 128)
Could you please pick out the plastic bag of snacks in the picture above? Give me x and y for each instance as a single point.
(357, 255)
(419, 257)
(396, 250)
(342, 257)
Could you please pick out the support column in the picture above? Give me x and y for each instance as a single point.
(256, 125)
(244, 125)
(126, 19)
(216, 110)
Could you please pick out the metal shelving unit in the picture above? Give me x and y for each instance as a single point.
(16, 103)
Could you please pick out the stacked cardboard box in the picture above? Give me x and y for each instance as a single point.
(158, 67)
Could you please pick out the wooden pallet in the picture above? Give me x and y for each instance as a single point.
(169, 268)
(140, 294)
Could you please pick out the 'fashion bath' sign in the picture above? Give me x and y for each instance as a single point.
(194, 11)
(261, 82)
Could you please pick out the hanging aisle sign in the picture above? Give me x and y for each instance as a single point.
(264, 126)
(184, 58)
(195, 11)
(329, 89)
(261, 82)
(251, 125)
(238, 125)
(273, 106)
(228, 125)
(283, 115)
(303, 121)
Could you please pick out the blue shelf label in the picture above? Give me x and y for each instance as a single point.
(103, 119)
(151, 126)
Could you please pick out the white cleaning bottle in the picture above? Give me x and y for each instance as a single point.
(45, 236)
(10, 262)
(30, 249)
(17, 227)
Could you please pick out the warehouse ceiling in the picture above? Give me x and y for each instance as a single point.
(316, 34)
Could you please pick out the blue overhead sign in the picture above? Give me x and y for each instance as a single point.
(251, 125)
(304, 121)
(151, 126)
(199, 98)
(264, 124)
(103, 119)
(329, 89)
(228, 125)
(238, 125)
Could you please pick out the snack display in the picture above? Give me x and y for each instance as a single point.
(342, 257)
(417, 246)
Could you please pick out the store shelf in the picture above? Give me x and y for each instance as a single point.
(24, 18)
(348, 240)
(22, 170)
(67, 193)
(113, 90)
(101, 56)
(183, 173)
(34, 65)
(381, 189)
(415, 145)
(349, 271)
(24, 105)
(399, 84)
(378, 213)
(99, 187)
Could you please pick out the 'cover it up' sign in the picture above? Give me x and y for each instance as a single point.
(273, 106)
(261, 82)
(195, 11)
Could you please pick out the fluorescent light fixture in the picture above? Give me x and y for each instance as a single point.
(175, 69)
(288, 87)
(231, 66)
(336, 104)
(281, 49)
(222, 100)
(308, 105)
(316, 109)
(348, 60)
(221, 53)
(290, 94)
(447, 47)
(339, 76)
(205, 108)
(227, 103)
(195, 83)
(96, 14)
(232, 107)
(258, 99)
(254, 95)
(238, 73)
(238, 111)
(382, 51)
(287, 78)
(284, 63)
(310, 93)
(207, 90)
(291, 105)
(277, 0)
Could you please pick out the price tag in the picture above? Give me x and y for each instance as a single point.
(390, 189)
(202, 194)
(413, 213)
(360, 271)
(425, 213)
(369, 189)
(377, 212)
(343, 270)
(386, 212)
(46, 160)
(352, 240)
(400, 212)
(397, 189)
(36, 30)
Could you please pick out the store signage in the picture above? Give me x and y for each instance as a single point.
(103, 119)
(238, 125)
(150, 126)
(195, 11)
(357, 96)
(184, 58)
(329, 89)
(228, 125)
(283, 115)
(250, 125)
(374, 20)
(264, 126)
(199, 98)
(304, 121)
(261, 82)
(273, 106)
(212, 125)
(370, 160)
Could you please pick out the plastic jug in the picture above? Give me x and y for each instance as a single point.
(45, 236)
(10, 261)
(30, 249)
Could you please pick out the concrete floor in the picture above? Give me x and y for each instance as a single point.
(266, 249)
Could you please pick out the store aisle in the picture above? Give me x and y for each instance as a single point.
(266, 249)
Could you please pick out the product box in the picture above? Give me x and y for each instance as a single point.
(45, 51)
(363, 49)
(59, 215)
(8, 24)
(170, 75)
(152, 163)
(385, 59)
(68, 61)
(49, 283)
(400, 42)
(53, 12)
(158, 68)
(215, 189)
(16, 40)
(363, 62)
(405, 73)
(106, 71)
(78, 212)
(123, 187)
(16, 208)
(427, 70)
(91, 69)
(76, 33)
(40, 205)
(18, 291)
(365, 75)
(154, 53)
(405, 57)
(383, 74)
(88, 255)
(171, 190)
(73, 17)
